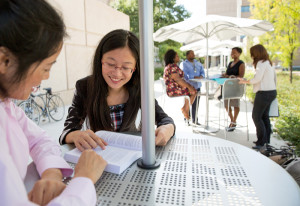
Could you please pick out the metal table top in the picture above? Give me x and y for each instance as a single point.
(201, 170)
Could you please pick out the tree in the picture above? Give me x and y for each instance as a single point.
(165, 12)
(284, 41)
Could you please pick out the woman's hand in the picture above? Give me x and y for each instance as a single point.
(90, 165)
(163, 134)
(243, 81)
(44, 190)
(48, 187)
(85, 140)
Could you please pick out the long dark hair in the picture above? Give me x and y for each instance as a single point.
(169, 57)
(258, 52)
(32, 31)
(97, 108)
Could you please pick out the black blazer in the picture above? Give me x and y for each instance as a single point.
(78, 113)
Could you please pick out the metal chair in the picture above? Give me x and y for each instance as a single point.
(164, 93)
(233, 90)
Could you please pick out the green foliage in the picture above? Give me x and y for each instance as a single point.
(163, 48)
(245, 56)
(249, 87)
(158, 72)
(287, 125)
(165, 12)
(283, 42)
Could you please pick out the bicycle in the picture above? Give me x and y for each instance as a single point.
(46, 105)
(283, 156)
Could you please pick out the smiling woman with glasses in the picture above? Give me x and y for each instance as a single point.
(110, 98)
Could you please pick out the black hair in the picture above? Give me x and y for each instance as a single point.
(238, 49)
(97, 108)
(169, 57)
(188, 52)
(32, 31)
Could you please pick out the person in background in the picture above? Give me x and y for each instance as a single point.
(110, 98)
(235, 68)
(175, 83)
(193, 69)
(264, 85)
(31, 38)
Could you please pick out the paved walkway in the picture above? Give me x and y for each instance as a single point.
(172, 107)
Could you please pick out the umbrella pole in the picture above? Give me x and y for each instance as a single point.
(147, 81)
(207, 129)
(207, 83)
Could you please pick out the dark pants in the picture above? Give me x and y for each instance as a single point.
(260, 115)
(195, 106)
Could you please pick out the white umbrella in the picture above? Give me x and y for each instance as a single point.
(213, 52)
(212, 44)
(211, 26)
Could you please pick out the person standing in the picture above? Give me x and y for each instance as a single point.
(235, 68)
(193, 70)
(264, 85)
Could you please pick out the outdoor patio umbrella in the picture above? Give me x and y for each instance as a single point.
(215, 47)
(213, 52)
(213, 27)
(212, 44)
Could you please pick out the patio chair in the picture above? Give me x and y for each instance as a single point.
(165, 94)
(233, 90)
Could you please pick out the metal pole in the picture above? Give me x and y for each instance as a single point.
(206, 50)
(147, 82)
(206, 84)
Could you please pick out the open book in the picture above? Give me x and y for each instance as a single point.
(122, 150)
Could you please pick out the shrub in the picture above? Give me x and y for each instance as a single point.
(249, 87)
(158, 72)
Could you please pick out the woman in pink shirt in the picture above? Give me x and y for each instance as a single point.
(31, 38)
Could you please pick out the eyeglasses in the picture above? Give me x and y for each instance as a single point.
(114, 67)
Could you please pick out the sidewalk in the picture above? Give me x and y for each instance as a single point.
(172, 107)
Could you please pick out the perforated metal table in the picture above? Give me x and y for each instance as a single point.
(201, 170)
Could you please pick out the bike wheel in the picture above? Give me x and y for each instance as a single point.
(56, 108)
(31, 111)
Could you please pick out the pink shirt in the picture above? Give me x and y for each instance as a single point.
(19, 138)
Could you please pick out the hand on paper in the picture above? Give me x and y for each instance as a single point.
(47, 188)
(163, 134)
(90, 165)
(85, 140)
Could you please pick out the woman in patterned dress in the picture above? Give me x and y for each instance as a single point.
(175, 83)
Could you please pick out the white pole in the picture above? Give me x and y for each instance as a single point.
(147, 81)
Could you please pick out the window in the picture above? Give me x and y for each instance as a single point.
(245, 8)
